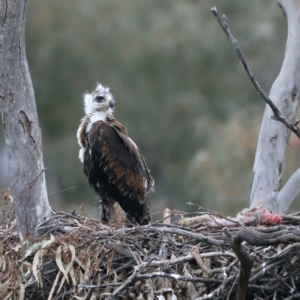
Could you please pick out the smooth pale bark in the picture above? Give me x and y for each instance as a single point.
(20, 122)
(274, 136)
(289, 192)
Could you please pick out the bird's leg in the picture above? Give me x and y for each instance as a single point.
(130, 220)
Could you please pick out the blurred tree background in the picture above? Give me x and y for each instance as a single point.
(179, 88)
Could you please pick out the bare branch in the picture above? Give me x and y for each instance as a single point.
(246, 264)
(277, 115)
(177, 277)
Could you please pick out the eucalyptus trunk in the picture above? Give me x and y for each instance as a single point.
(274, 136)
(20, 122)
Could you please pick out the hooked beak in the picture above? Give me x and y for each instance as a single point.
(111, 103)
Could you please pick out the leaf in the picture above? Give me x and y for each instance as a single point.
(72, 258)
(2, 263)
(35, 246)
(61, 284)
(4, 284)
(36, 263)
(87, 268)
(8, 296)
(60, 264)
(98, 281)
(49, 242)
(115, 277)
(22, 291)
(40, 280)
(54, 285)
(28, 266)
(17, 247)
(68, 267)
(72, 275)
(1, 247)
(32, 249)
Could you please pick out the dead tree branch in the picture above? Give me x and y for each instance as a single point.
(277, 114)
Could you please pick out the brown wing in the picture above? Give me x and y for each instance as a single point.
(121, 167)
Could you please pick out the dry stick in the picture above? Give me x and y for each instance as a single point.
(197, 236)
(217, 291)
(104, 285)
(256, 238)
(293, 283)
(71, 188)
(277, 115)
(62, 296)
(230, 291)
(208, 271)
(187, 258)
(264, 269)
(130, 263)
(163, 252)
(176, 277)
(129, 280)
(195, 251)
(54, 285)
(245, 268)
(210, 212)
(283, 252)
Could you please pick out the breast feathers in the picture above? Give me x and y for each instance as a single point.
(115, 167)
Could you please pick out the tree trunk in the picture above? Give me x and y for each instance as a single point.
(20, 122)
(274, 136)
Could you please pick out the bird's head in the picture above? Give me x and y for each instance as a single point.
(101, 100)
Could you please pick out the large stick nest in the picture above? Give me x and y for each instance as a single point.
(82, 258)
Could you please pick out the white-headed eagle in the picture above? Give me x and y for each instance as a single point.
(113, 164)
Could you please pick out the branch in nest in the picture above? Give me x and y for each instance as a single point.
(177, 277)
(246, 264)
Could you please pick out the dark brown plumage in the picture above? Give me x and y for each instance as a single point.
(113, 164)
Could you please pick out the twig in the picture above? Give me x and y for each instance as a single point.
(100, 286)
(195, 251)
(54, 285)
(62, 296)
(232, 286)
(163, 252)
(264, 269)
(196, 236)
(71, 188)
(211, 212)
(83, 209)
(31, 184)
(277, 115)
(284, 252)
(128, 281)
(176, 277)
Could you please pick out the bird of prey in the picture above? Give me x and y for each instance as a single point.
(112, 162)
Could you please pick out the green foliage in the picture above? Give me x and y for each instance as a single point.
(179, 88)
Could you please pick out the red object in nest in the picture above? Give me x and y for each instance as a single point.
(270, 219)
(258, 216)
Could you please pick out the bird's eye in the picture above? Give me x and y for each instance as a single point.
(99, 99)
